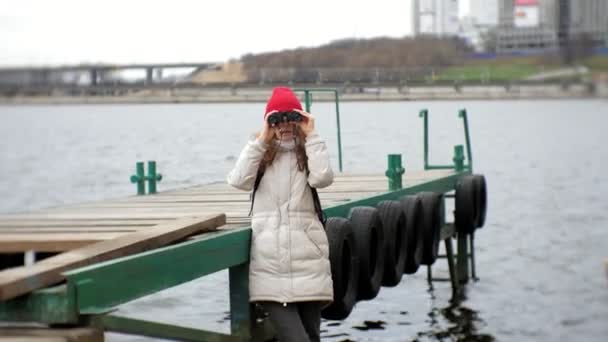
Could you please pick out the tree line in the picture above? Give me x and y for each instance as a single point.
(352, 56)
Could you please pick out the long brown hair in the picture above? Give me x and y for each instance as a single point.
(300, 150)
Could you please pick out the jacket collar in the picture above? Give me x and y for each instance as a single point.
(285, 146)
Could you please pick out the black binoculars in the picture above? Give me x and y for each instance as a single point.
(278, 117)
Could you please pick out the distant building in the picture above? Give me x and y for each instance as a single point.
(526, 25)
(533, 25)
(477, 18)
(480, 12)
(516, 25)
(590, 17)
(435, 17)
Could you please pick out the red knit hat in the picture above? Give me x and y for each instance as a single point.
(283, 100)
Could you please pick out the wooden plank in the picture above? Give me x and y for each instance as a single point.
(188, 208)
(166, 205)
(146, 213)
(52, 335)
(21, 280)
(339, 178)
(48, 223)
(55, 230)
(110, 216)
(25, 338)
(363, 185)
(49, 242)
(237, 197)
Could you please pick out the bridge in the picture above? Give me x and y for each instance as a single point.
(30, 75)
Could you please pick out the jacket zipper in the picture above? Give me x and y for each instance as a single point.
(288, 224)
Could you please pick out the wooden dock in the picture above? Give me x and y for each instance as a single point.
(65, 228)
(94, 238)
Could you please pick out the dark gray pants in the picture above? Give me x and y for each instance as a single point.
(295, 322)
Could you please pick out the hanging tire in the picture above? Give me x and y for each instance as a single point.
(344, 268)
(432, 219)
(412, 209)
(482, 199)
(393, 222)
(466, 203)
(369, 242)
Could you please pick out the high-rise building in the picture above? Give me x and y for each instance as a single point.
(547, 24)
(435, 17)
(527, 25)
(476, 18)
(480, 12)
(589, 17)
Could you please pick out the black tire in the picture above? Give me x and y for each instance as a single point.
(465, 215)
(482, 199)
(369, 239)
(432, 218)
(412, 208)
(393, 222)
(344, 268)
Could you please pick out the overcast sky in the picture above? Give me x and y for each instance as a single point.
(52, 32)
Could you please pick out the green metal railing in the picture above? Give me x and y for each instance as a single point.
(463, 115)
(139, 178)
(424, 114)
(308, 104)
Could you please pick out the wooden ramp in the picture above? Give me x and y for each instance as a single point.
(67, 228)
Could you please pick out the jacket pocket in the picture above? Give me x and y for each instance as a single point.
(309, 235)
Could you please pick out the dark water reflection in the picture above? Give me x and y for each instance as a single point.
(454, 322)
(464, 324)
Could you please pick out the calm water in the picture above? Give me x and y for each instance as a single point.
(539, 257)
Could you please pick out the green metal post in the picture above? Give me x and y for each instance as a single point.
(152, 177)
(451, 267)
(138, 178)
(462, 265)
(394, 172)
(472, 245)
(425, 115)
(463, 114)
(240, 309)
(339, 131)
(307, 100)
(458, 158)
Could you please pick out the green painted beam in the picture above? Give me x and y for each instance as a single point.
(159, 330)
(441, 185)
(103, 286)
(440, 167)
(54, 305)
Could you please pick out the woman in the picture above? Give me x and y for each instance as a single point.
(289, 271)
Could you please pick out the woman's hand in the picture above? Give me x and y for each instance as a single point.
(308, 124)
(267, 134)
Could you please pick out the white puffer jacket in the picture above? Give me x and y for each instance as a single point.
(289, 256)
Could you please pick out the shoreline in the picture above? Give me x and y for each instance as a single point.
(361, 94)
